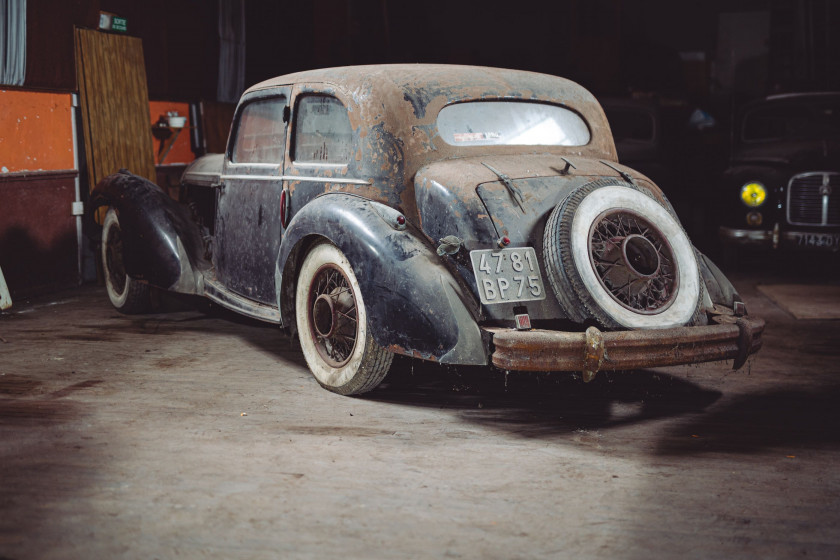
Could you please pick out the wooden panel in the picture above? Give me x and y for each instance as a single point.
(216, 118)
(115, 104)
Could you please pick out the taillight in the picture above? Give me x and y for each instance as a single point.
(285, 208)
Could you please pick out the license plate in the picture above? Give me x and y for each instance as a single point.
(819, 240)
(507, 275)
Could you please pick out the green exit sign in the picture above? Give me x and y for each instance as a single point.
(119, 24)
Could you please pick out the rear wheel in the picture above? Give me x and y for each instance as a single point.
(617, 255)
(127, 295)
(332, 324)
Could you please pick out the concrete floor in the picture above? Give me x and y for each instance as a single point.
(197, 434)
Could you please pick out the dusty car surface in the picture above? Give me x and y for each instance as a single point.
(462, 215)
(783, 181)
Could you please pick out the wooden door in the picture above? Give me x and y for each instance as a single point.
(114, 99)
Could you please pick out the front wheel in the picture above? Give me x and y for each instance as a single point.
(127, 295)
(332, 324)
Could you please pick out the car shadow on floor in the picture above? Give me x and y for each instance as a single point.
(537, 405)
(788, 419)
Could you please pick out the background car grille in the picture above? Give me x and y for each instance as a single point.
(814, 199)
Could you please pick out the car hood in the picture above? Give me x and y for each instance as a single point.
(803, 154)
(468, 199)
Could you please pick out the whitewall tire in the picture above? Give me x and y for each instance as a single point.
(616, 254)
(332, 325)
(127, 294)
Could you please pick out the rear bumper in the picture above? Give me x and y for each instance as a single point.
(592, 351)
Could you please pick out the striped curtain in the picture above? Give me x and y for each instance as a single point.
(12, 42)
(231, 50)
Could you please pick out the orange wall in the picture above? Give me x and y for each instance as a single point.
(36, 131)
(180, 152)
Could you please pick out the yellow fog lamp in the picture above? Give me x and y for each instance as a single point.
(753, 194)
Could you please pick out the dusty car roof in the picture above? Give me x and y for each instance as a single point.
(422, 82)
(403, 98)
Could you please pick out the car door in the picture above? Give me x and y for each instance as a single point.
(248, 226)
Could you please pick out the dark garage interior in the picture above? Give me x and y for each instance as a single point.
(190, 430)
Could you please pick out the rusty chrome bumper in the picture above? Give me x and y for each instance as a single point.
(593, 350)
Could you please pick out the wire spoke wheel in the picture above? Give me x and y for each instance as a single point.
(333, 315)
(633, 261)
(334, 326)
(616, 254)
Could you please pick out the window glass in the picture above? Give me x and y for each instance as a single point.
(261, 135)
(322, 131)
(510, 123)
(816, 117)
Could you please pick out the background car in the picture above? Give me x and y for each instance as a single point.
(783, 181)
(461, 215)
(678, 146)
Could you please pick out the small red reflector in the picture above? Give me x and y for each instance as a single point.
(504, 241)
(523, 322)
(401, 220)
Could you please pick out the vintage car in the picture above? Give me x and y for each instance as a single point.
(784, 169)
(462, 215)
(5, 298)
(675, 145)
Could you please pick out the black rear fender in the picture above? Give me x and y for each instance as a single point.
(415, 305)
(162, 245)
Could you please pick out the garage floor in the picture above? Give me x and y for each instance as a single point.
(194, 433)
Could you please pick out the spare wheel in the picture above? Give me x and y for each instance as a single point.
(615, 254)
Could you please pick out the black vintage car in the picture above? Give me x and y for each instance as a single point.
(462, 215)
(782, 187)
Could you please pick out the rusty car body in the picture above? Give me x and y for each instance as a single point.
(782, 185)
(463, 215)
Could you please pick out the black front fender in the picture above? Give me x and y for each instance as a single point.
(161, 244)
(415, 305)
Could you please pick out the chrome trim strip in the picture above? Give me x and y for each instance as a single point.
(315, 165)
(337, 180)
(259, 165)
(301, 178)
(245, 306)
(252, 177)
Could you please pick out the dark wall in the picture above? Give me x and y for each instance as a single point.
(610, 46)
(180, 43)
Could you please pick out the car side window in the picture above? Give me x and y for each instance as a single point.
(322, 131)
(261, 135)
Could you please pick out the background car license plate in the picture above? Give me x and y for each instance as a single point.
(507, 275)
(820, 240)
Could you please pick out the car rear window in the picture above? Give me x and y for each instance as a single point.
(511, 123)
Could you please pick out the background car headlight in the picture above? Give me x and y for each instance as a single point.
(753, 194)
(755, 218)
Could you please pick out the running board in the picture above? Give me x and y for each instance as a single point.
(242, 305)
